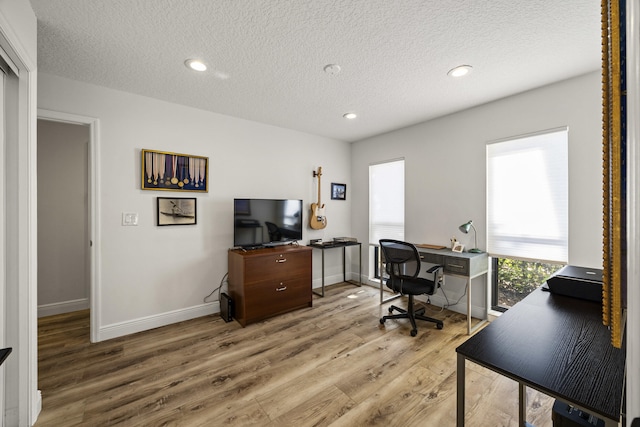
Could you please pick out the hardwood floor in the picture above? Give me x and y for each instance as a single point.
(329, 365)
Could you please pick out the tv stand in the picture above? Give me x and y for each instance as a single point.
(269, 281)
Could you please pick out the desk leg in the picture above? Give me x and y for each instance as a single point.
(360, 264)
(321, 294)
(460, 374)
(344, 264)
(522, 405)
(359, 281)
(471, 330)
(323, 273)
(469, 306)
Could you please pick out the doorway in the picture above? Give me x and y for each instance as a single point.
(63, 256)
(67, 215)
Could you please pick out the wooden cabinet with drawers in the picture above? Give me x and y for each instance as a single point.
(269, 281)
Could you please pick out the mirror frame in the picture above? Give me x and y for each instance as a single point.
(614, 168)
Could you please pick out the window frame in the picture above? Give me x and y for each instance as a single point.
(374, 246)
(523, 142)
(505, 243)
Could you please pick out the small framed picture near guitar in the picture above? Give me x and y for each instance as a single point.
(338, 191)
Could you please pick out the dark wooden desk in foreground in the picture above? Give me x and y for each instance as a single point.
(556, 345)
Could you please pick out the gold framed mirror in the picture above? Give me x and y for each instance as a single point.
(614, 168)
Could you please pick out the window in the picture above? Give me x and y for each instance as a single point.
(527, 206)
(514, 279)
(291, 212)
(386, 205)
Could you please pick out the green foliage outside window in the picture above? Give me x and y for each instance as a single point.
(516, 279)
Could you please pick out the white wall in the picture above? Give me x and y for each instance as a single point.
(633, 211)
(20, 394)
(445, 169)
(63, 237)
(153, 275)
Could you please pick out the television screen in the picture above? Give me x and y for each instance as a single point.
(263, 222)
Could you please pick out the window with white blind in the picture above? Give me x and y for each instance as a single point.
(528, 197)
(386, 201)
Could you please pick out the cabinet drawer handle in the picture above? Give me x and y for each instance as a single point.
(456, 265)
(281, 260)
(283, 288)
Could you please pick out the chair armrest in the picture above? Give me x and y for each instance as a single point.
(434, 269)
(436, 274)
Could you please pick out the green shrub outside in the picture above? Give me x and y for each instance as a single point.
(516, 279)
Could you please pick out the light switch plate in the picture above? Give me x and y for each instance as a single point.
(129, 218)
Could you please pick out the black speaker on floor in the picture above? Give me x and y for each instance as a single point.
(226, 307)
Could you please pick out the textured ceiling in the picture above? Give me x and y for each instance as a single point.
(266, 57)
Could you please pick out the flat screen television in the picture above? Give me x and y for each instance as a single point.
(266, 222)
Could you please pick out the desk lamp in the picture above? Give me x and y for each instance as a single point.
(465, 229)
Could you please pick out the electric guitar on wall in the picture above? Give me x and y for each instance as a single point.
(317, 220)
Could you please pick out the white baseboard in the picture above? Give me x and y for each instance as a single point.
(63, 307)
(37, 407)
(150, 322)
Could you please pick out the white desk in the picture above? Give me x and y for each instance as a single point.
(464, 264)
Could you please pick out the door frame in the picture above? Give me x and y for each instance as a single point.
(93, 208)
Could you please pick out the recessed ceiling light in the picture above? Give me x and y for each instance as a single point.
(349, 116)
(460, 71)
(195, 64)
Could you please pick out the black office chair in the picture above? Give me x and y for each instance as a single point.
(402, 262)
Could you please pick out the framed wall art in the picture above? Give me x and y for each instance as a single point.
(176, 211)
(338, 191)
(166, 171)
(614, 149)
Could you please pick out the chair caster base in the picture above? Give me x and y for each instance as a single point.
(411, 314)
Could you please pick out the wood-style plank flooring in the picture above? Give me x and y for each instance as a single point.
(329, 365)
